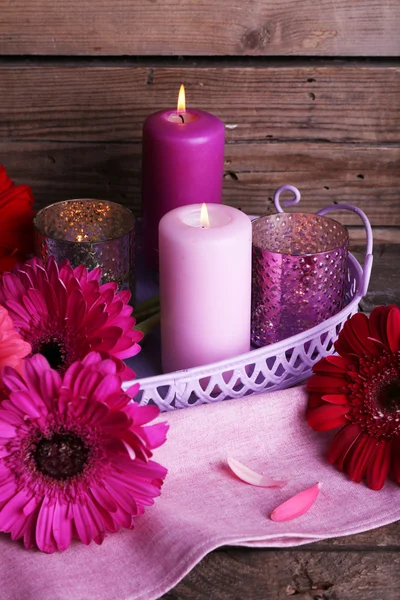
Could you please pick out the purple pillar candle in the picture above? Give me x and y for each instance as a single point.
(183, 163)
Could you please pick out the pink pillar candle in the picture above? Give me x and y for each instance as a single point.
(205, 285)
(183, 163)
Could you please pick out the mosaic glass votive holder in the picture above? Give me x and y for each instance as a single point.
(299, 274)
(95, 233)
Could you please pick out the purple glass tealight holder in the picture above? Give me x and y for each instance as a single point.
(300, 264)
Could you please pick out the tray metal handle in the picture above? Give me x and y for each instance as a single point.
(368, 260)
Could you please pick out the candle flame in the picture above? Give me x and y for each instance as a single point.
(204, 219)
(181, 99)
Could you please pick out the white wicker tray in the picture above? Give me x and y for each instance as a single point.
(273, 367)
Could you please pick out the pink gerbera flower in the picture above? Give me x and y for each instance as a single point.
(74, 455)
(65, 313)
(12, 347)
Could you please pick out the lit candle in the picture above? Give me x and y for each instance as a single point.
(205, 285)
(183, 162)
(94, 233)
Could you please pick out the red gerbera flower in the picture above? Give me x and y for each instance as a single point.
(360, 389)
(16, 215)
(65, 313)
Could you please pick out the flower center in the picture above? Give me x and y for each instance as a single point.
(388, 398)
(54, 351)
(61, 456)
(374, 395)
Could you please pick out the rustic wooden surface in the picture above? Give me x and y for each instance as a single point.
(333, 130)
(358, 567)
(326, 27)
(338, 102)
(57, 171)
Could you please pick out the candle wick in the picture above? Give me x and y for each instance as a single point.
(181, 116)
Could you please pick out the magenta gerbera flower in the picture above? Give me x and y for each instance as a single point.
(64, 313)
(74, 455)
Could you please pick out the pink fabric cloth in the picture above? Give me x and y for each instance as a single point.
(204, 506)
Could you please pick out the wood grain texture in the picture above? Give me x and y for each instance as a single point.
(205, 27)
(235, 574)
(384, 286)
(60, 170)
(340, 102)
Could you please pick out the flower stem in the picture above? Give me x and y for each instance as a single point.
(149, 324)
(147, 309)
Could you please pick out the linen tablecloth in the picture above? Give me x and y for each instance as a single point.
(204, 506)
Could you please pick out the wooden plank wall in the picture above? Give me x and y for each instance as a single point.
(309, 93)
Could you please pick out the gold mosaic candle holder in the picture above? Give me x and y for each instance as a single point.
(95, 233)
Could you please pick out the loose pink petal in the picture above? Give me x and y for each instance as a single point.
(249, 476)
(297, 505)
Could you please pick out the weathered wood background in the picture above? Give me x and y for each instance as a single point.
(309, 93)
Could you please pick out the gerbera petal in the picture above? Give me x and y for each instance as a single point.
(109, 337)
(329, 416)
(146, 470)
(395, 466)
(85, 383)
(326, 384)
(76, 307)
(44, 527)
(7, 430)
(336, 398)
(50, 384)
(155, 435)
(315, 400)
(24, 402)
(30, 528)
(12, 286)
(244, 473)
(19, 314)
(72, 373)
(31, 505)
(96, 317)
(358, 457)
(377, 323)
(342, 442)
(124, 295)
(13, 380)
(296, 506)
(393, 329)
(11, 417)
(121, 495)
(378, 467)
(12, 347)
(142, 414)
(83, 523)
(107, 386)
(115, 421)
(104, 498)
(331, 364)
(8, 490)
(93, 359)
(12, 513)
(97, 523)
